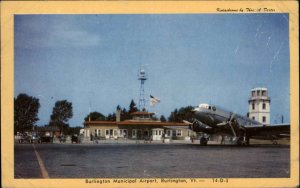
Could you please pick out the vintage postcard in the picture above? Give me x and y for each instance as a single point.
(150, 93)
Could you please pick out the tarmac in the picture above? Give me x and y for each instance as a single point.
(150, 160)
(170, 141)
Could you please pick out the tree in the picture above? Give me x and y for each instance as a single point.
(61, 113)
(111, 117)
(73, 130)
(173, 116)
(132, 107)
(162, 118)
(124, 114)
(95, 116)
(118, 107)
(184, 113)
(25, 112)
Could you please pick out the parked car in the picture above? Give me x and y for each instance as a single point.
(26, 138)
(46, 139)
(75, 139)
(35, 139)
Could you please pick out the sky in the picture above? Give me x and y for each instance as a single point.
(93, 61)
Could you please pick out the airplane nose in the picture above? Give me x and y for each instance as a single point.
(195, 109)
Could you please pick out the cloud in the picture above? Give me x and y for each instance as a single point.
(72, 38)
(39, 32)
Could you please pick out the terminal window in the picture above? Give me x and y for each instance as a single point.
(174, 133)
(97, 132)
(169, 132)
(179, 133)
(134, 133)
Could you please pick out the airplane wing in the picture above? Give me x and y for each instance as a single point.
(268, 131)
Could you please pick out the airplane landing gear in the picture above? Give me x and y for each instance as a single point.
(203, 141)
(241, 141)
(274, 142)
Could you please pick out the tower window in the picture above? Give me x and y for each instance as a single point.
(253, 118)
(253, 106)
(253, 93)
(258, 93)
(264, 93)
(264, 106)
(264, 119)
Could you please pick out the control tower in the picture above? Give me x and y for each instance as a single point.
(259, 105)
(142, 101)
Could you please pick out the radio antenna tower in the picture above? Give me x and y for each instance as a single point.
(142, 77)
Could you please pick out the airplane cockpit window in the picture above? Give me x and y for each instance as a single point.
(207, 106)
(204, 106)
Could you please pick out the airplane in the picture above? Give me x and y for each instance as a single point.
(212, 120)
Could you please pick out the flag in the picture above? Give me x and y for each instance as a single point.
(153, 100)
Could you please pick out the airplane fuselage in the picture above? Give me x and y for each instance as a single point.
(212, 116)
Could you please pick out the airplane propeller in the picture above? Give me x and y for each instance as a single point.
(229, 122)
(187, 122)
(232, 117)
(191, 124)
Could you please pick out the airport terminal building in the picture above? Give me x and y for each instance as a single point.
(142, 126)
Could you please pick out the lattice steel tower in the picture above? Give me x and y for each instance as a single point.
(142, 101)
